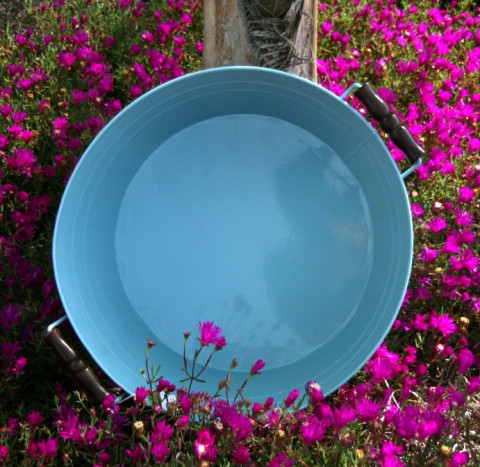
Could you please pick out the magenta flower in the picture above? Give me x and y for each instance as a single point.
(384, 365)
(3, 453)
(240, 425)
(19, 366)
(281, 460)
(23, 160)
(436, 224)
(184, 402)
(367, 410)
(9, 316)
(69, 428)
(452, 244)
(458, 459)
(465, 359)
(431, 425)
(78, 96)
(161, 434)
(407, 422)
(3, 141)
(464, 218)
(389, 453)
(34, 419)
(474, 145)
(443, 323)
(6, 110)
(311, 430)
(124, 4)
(465, 195)
(428, 255)
(469, 260)
(66, 60)
(255, 370)
(164, 385)
(342, 416)
(291, 398)
(137, 454)
(182, 422)
(211, 334)
(141, 394)
(46, 449)
(60, 126)
(314, 391)
(19, 116)
(473, 385)
(108, 402)
(204, 446)
(241, 455)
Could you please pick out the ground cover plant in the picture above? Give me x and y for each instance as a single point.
(68, 70)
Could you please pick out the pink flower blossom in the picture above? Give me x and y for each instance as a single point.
(19, 116)
(389, 453)
(436, 224)
(452, 244)
(108, 402)
(3, 141)
(367, 410)
(34, 419)
(182, 422)
(240, 425)
(141, 394)
(384, 365)
(164, 385)
(241, 455)
(23, 160)
(311, 430)
(211, 334)
(428, 255)
(473, 145)
(464, 218)
(204, 445)
(3, 453)
(281, 460)
(468, 261)
(161, 434)
(66, 60)
(137, 454)
(6, 110)
(342, 416)
(443, 323)
(466, 194)
(291, 398)
(19, 366)
(473, 385)
(45, 449)
(255, 370)
(458, 459)
(465, 360)
(9, 316)
(315, 393)
(184, 401)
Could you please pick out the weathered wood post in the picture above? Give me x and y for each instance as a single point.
(279, 34)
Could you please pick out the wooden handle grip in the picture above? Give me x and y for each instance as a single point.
(82, 374)
(378, 109)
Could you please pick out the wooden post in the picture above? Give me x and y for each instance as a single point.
(280, 34)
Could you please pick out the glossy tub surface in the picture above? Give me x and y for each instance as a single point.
(244, 196)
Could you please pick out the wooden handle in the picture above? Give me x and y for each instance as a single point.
(82, 374)
(390, 123)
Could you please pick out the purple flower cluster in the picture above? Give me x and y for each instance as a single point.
(45, 126)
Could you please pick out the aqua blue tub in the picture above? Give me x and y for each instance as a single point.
(244, 196)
